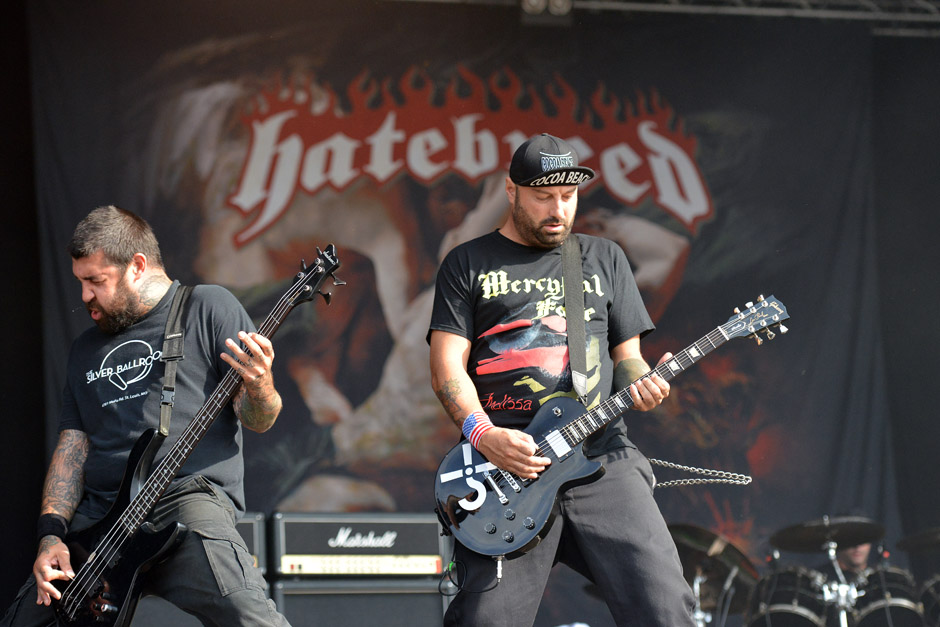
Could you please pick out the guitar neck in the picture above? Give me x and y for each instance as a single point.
(618, 404)
(158, 482)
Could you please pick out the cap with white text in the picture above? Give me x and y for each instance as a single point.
(546, 160)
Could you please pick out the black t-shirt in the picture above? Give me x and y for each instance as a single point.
(113, 386)
(508, 300)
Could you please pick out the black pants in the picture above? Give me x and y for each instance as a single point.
(612, 532)
(210, 575)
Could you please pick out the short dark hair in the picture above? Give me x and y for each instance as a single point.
(118, 233)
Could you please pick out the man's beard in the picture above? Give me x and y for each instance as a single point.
(124, 312)
(532, 233)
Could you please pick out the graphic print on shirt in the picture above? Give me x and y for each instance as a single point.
(529, 352)
(123, 366)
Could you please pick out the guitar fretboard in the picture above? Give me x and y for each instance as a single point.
(618, 404)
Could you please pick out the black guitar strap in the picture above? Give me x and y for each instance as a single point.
(172, 353)
(574, 313)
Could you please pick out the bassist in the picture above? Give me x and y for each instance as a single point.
(499, 351)
(113, 393)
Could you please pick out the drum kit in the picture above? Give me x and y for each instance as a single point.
(724, 582)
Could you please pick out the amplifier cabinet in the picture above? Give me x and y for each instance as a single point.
(252, 530)
(392, 544)
(365, 602)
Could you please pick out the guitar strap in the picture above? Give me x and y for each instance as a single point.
(172, 353)
(574, 314)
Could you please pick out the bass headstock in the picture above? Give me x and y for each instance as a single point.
(309, 281)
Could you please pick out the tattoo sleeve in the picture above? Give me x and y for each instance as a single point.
(449, 393)
(65, 479)
(257, 408)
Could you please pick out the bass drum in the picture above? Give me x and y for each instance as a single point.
(792, 597)
(887, 598)
(930, 598)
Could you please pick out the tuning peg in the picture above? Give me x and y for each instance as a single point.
(737, 310)
(327, 296)
(760, 298)
(748, 305)
(337, 280)
(303, 264)
(770, 334)
(782, 329)
(758, 340)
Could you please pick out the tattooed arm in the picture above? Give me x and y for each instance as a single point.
(509, 449)
(61, 494)
(257, 403)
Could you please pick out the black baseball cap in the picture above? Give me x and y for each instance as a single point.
(546, 160)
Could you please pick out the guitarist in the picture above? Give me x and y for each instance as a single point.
(113, 392)
(499, 349)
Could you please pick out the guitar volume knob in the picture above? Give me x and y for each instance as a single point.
(510, 514)
(489, 528)
(508, 537)
(528, 523)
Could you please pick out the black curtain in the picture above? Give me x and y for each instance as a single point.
(907, 186)
(22, 454)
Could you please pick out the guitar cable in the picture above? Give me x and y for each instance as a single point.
(454, 568)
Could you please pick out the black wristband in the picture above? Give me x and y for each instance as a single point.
(52, 525)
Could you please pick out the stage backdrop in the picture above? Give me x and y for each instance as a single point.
(734, 159)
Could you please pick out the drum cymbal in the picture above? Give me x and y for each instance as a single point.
(713, 558)
(923, 540)
(815, 535)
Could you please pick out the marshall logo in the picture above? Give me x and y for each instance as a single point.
(345, 539)
(301, 142)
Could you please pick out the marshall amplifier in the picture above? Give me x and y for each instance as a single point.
(361, 601)
(251, 528)
(318, 545)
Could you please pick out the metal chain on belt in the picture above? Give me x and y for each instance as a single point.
(714, 476)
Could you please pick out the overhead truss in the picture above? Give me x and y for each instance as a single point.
(887, 17)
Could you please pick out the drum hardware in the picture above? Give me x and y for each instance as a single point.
(887, 597)
(814, 536)
(930, 600)
(840, 593)
(788, 597)
(879, 596)
(720, 575)
(929, 594)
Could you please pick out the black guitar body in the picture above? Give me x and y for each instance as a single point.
(109, 599)
(510, 522)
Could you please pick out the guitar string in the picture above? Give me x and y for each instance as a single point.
(609, 406)
(111, 544)
(544, 449)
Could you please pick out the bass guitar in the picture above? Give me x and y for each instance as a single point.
(499, 514)
(112, 554)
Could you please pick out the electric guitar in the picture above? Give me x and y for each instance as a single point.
(112, 554)
(497, 513)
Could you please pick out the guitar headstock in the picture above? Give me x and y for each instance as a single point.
(308, 282)
(756, 319)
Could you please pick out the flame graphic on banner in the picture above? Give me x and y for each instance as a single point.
(303, 139)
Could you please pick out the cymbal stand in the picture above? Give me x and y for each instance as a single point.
(700, 616)
(840, 593)
(724, 598)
